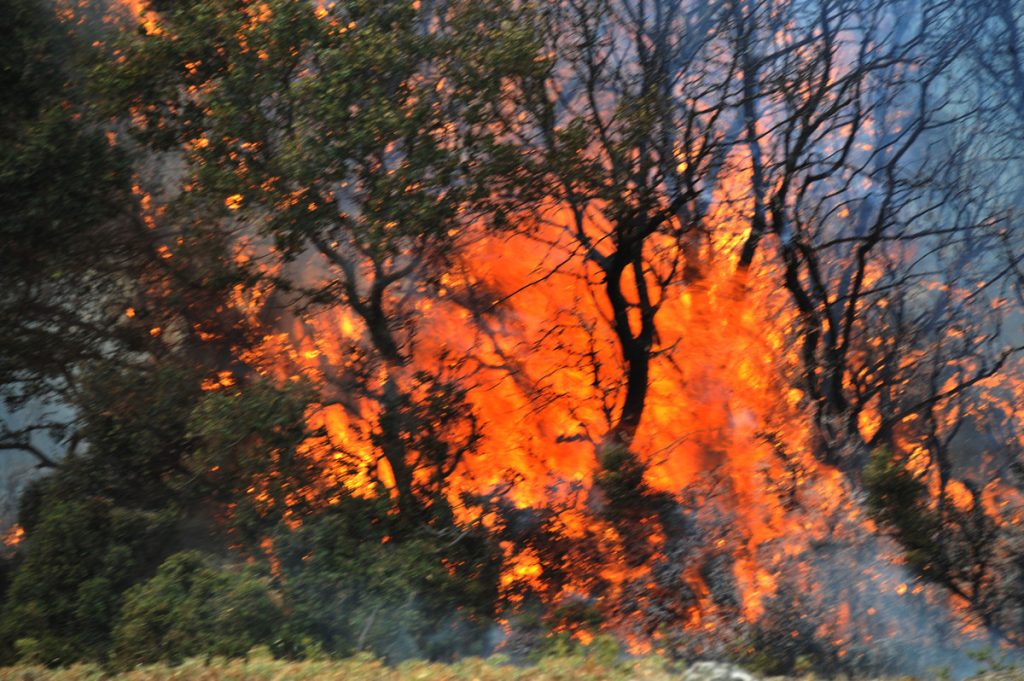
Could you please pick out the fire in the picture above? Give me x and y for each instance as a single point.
(518, 322)
(139, 11)
(523, 332)
(223, 379)
(13, 536)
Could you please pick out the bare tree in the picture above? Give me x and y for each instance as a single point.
(621, 124)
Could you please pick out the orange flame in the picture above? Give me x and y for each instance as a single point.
(13, 537)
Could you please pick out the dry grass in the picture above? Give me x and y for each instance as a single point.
(364, 668)
(359, 669)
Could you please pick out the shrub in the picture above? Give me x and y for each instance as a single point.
(191, 608)
(78, 560)
(357, 582)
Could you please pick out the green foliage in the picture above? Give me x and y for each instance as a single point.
(898, 500)
(106, 517)
(620, 476)
(134, 419)
(248, 436)
(58, 185)
(28, 67)
(954, 544)
(81, 555)
(288, 139)
(357, 580)
(561, 647)
(225, 420)
(28, 651)
(191, 608)
(61, 187)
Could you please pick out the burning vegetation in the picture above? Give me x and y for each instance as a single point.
(440, 327)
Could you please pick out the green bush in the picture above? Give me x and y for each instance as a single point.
(76, 563)
(192, 607)
(356, 581)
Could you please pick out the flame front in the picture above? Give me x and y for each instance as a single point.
(518, 323)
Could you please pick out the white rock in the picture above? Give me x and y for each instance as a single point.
(716, 671)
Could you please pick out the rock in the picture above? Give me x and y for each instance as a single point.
(716, 671)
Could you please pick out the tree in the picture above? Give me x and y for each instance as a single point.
(67, 249)
(105, 517)
(865, 226)
(613, 121)
(834, 132)
(332, 133)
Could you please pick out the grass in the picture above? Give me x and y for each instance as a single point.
(359, 669)
(366, 668)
